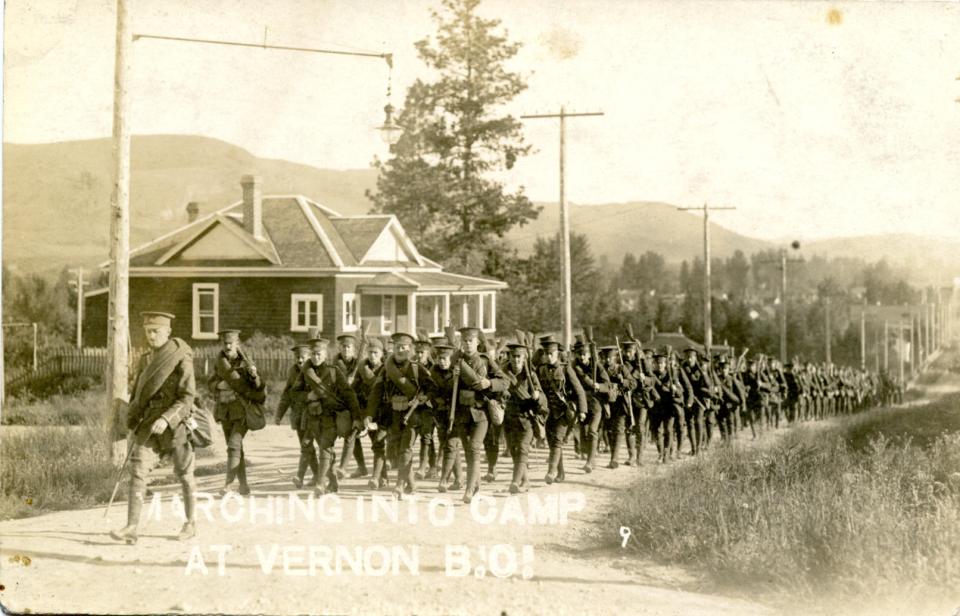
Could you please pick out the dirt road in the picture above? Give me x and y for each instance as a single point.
(66, 562)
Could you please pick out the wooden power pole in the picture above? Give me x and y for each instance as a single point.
(566, 295)
(707, 288)
(118, 328)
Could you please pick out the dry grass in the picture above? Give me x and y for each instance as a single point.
(866, 508)
(52, 468)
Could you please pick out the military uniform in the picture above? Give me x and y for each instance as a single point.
(163, 395)
(619, 401)
(702, 397)
(644, 397)
(329, 394)
(758, 390)
(596, 392)
(351, 368)
(400, 388)
(526, 405)
(294, 399)
(566, 401)
(441, 393)
(481, 380)
(668, 410)
(428, 420)
(236, 384)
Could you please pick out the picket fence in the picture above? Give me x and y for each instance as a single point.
(92, 362)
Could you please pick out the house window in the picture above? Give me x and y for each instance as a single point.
(388, 314)
(306, 312)
(351, 312)
(488, 307)
(431, 313)
(206, 311)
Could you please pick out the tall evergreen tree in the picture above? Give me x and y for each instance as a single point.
(455, 136)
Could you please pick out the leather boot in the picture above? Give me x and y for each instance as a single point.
(301, 471)
(128, 534)
(374, 482)
(244, 489)
(552, 461)
(320, 487)
(631, 448)
(189, 529)
(561, 475)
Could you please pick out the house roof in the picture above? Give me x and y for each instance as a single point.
(676, 341)
(428, 281)
(301, 237)
(299, 233)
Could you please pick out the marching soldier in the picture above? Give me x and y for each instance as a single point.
(163, 395)
(349, 363)
(480, 381)
(427, 429)
(329, 394)
(441, 392)
(236, 384)
(370, 371)
(294, 399)
(525, 405)
(620, 386)
(668, 409)
(597, 392)
(729, 400)
(758, 390)
(566, 401)
(399, 396)
(644, 397)
(702, 389)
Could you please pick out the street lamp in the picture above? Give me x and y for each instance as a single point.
(390, 131)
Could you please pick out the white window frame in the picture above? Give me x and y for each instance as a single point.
(383, 316)
(493, 311)
(295, 300)
(198, 288)
(465, 310)
(351, 324)
(441, 311)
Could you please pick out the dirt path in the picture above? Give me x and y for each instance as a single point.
(65, 562)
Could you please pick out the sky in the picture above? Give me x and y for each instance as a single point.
(813, 119)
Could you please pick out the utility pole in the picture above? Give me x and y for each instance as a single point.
(79, 285)
(886, 345)
(826, 314)
(900, 347)
(863, 341)
(707, 289)
(565, 275)
(119, 304)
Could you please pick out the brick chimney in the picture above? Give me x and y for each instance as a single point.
(193, 210)
(252, 206)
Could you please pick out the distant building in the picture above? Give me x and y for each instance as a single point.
(285, 264)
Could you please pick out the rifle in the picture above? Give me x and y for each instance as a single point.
(123, 467)
(628, 395)
(351, 378)
(588, 332)
(456, 377)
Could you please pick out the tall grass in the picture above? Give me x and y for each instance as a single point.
(78, 409)
(842, 511)
(53, 468)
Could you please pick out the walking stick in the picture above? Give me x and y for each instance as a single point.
(123, 467)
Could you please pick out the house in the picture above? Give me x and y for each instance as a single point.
(285, 264)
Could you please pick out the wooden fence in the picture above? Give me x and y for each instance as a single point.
(92, 362)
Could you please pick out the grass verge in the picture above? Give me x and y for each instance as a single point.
(868, 507)
(53, 468)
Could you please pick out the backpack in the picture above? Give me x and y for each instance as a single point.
(199, 427)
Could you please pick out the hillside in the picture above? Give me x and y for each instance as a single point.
(930, 260)
(618, 228)
(56, 200)
(56, 196)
